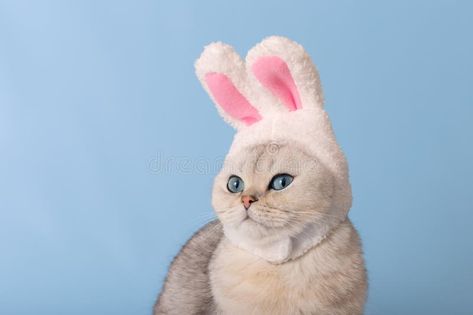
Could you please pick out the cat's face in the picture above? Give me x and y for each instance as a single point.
(269, 189)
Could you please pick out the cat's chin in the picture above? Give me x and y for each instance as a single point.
(252, 228)
(256, 230)
(252, 225)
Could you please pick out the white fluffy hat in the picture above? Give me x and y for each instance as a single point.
(273, 97)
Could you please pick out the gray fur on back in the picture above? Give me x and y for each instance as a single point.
(186, 289)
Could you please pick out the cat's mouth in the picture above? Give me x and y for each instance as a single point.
(251, 223)
(249, 218)
(256, 216)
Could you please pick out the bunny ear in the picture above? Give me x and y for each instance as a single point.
(286, 70)
(222, 74)
(274, 74)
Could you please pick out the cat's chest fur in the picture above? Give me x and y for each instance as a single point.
(318, 282)
(242, 283)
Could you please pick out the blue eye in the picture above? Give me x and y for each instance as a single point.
(235, 184)
(280, 181)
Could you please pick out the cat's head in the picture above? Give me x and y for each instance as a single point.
(285, 177)
(272, 189)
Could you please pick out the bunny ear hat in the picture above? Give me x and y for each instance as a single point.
(275, 96)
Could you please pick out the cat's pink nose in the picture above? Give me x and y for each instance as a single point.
(248, 200)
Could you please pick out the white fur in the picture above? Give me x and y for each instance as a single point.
(309, 126)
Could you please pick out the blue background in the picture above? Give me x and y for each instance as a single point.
(108, 144)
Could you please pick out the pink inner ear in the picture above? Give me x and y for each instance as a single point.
(274, 74)
(230, 99)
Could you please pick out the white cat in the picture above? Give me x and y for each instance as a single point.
(282, 243)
